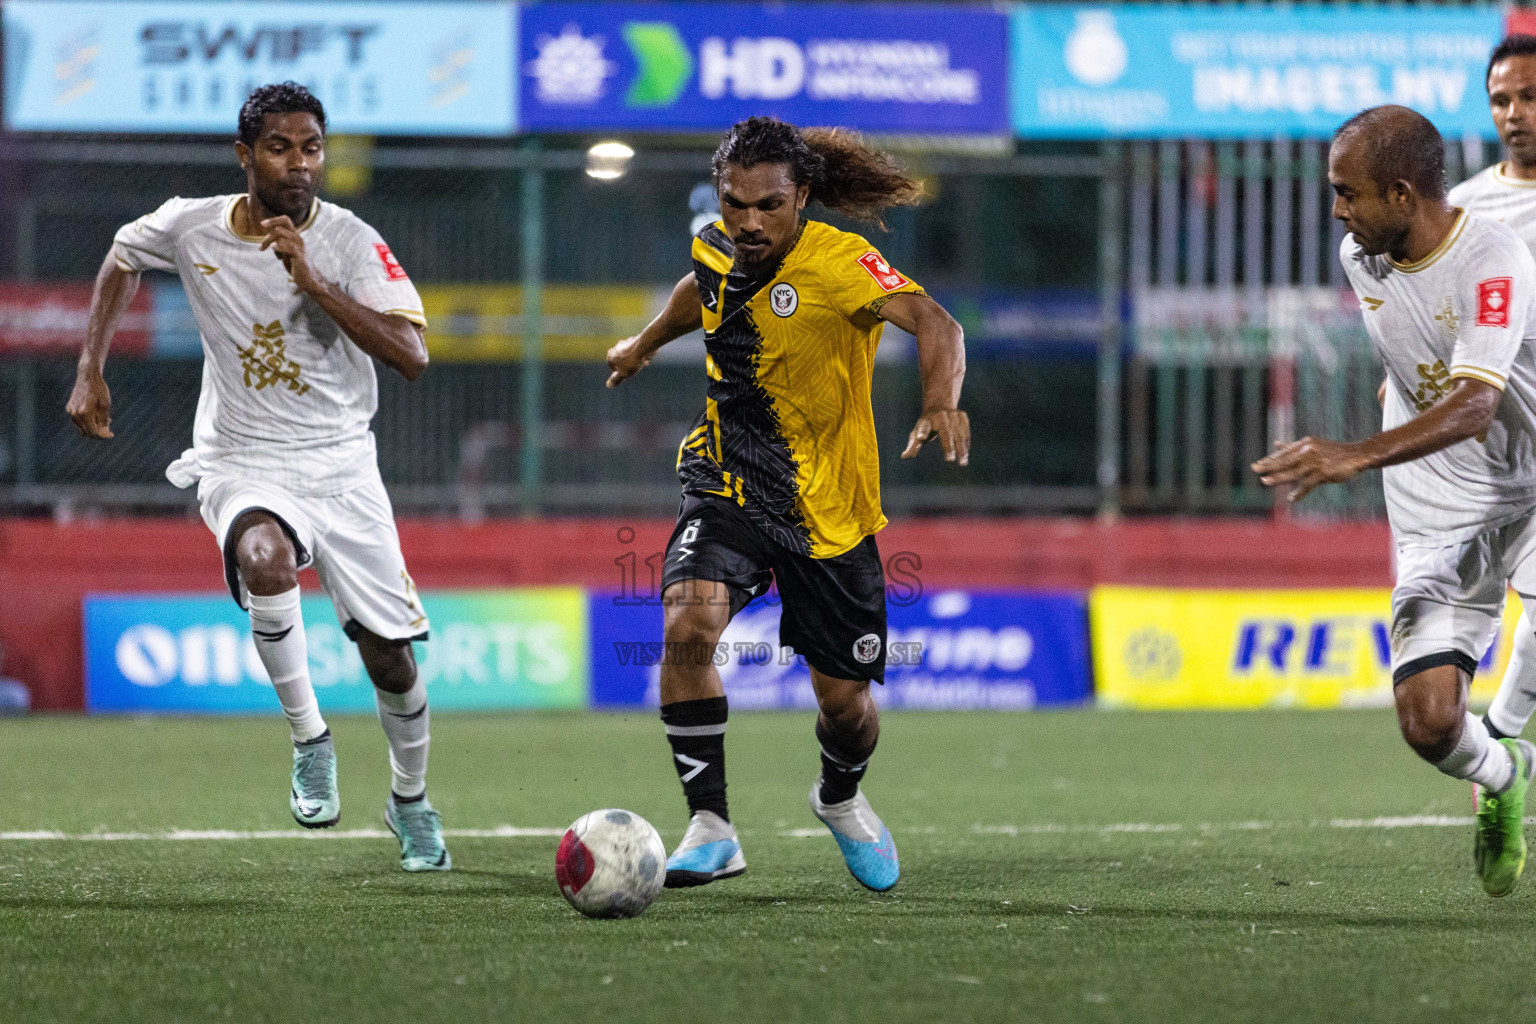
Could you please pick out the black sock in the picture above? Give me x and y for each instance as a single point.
(842, 767)
(696, 730)
(1493, 730)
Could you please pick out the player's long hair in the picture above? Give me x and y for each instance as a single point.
(845, 174)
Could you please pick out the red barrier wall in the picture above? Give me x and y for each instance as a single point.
(45, 568)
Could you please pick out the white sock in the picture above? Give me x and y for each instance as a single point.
(407, 724)
(1515, 702)
(279, 633)
(1479, 758)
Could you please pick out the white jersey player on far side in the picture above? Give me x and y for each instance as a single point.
(1506, 192)
(294, 298)
(1447, 299)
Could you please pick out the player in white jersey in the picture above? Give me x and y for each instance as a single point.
(1447, 299)
(294, 298)
(1506, 192)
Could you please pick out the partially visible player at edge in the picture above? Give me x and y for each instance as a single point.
(292, 297)
(1447, 301)
(780, 472)
(1506, 192)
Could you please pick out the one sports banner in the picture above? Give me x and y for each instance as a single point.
(1229, 649)
(948, 650)
(918, 68)
(194, 653)
(1244, 71)
(379, 68)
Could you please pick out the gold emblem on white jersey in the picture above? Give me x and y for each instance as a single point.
(266, 362)
(1371, 305)
(1434, 382)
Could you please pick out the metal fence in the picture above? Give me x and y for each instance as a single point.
(1222, 325)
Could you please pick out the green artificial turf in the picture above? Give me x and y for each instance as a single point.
(1227, 892)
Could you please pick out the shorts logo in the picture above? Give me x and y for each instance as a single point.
(689, 535)
(784, 299)
(1493, 302)
(866, 648)
(881, 271)
(392, 268)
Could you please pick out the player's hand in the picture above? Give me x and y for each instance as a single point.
(953, 429)
(284, 240)
(90, 406)
(1381, 394)
(625, 360)
(1308, 463)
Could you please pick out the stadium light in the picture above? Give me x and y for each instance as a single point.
(607, 161)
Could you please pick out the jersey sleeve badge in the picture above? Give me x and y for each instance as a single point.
(1493, 302)
(392, 269)
(885, 276)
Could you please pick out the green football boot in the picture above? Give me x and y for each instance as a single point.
(420, 831)
(313, 797)
(1498, 848)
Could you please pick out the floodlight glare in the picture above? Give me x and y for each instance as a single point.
(608, 160)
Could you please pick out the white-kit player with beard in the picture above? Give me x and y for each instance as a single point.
(294, 298)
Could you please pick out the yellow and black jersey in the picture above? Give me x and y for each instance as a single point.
(787, 429)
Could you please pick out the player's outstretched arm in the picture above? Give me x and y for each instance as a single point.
(941, 361)
(90, 403)
(1466, 412)
(392, 340)
(683, 315)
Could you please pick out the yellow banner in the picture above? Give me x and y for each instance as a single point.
(1158, 648)
(484, 322)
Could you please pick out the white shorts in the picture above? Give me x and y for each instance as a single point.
(349, 538)
(1448, 600)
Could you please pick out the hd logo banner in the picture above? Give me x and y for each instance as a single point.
(1245, 71)
(191, 653)
(379, 68)
(1227, 649)
(677, 67)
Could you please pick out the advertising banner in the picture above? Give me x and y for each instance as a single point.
(1240, 72)
(194, 653)
(1228, 649)
(952, 649)
(379, 68)
(48, 318)
(701, 67)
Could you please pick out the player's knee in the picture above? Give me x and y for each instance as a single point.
(692, 626)
(391, 664)
(1430, 727)
(266, 560)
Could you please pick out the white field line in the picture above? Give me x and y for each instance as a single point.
(182, 834)
(515, 832)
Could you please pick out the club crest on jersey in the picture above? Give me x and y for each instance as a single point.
(1493, 302)
(392, 268)
(881, 271)
(866, 648)
(783, 299)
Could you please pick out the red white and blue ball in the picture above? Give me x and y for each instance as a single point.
(611, 863)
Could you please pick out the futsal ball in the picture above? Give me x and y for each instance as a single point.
(611, 863)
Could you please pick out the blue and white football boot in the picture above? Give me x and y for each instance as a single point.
(313, 797)
(420, 831)
(866, 843)
(709, 851)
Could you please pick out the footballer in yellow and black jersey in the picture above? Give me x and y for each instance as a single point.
(788, 432)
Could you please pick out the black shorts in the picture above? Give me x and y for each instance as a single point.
(834, 608)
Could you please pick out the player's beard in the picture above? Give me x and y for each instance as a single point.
(282, 202)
